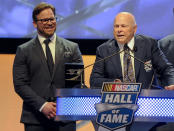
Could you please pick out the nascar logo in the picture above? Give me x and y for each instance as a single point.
(118, 104)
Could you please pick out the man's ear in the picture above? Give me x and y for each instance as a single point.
(34, 24)
(135, 29)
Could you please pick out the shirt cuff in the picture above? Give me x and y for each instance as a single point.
(42, 106)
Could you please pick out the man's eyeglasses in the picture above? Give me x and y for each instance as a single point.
(45, 21)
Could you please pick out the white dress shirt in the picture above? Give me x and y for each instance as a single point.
(130, 44)
(52, 46)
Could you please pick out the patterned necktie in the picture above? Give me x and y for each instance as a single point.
(50, 62)
(129, 76)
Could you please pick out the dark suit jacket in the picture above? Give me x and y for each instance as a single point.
(167, 46)
(32, 80)
(146, 50)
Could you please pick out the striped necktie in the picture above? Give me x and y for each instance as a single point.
(129, 76)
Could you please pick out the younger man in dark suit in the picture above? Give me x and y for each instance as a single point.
(39, 69)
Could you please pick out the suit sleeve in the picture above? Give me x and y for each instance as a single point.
(161, 44)
(98, 73)
(21, 80)
(77, 56)
(162, 66)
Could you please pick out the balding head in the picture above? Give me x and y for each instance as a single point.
(124, 27)
(127, 17)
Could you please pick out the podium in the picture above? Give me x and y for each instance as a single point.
(79, 104)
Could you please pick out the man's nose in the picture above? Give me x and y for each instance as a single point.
(49, 22)
(119, 30)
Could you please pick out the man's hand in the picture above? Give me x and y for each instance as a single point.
(117, 80)
(170, 87)
(49, 110)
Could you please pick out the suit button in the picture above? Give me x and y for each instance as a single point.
(52, 82)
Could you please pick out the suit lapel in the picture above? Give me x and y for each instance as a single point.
(39, 50)
(113, 48)
(58, 54)
(138, 54)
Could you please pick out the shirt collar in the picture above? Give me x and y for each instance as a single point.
(130, 44)
(52, 38)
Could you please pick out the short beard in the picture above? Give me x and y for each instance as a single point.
(45, 34)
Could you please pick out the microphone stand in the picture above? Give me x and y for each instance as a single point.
(151, 83)
(105, 58)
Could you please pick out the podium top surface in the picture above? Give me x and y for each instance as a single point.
(97, 92)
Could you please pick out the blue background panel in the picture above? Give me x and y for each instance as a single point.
(88, 18)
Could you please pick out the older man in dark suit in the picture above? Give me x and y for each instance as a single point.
(137, 59)
(39, 69)
(142, 47)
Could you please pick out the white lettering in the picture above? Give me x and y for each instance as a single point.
(109, 98)
(102, 117)
(109, 118)
(116, 99)
(129, 99)
(123, 99)
(125, 118)
(112, 98)
(117, 118)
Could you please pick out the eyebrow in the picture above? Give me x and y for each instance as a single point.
(121, 25)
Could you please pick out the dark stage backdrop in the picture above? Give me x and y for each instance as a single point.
(87, 46)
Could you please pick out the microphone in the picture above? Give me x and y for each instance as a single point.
(105, 58)
(149, 66)
(135, 49)
(116, 53)
(79, 73)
